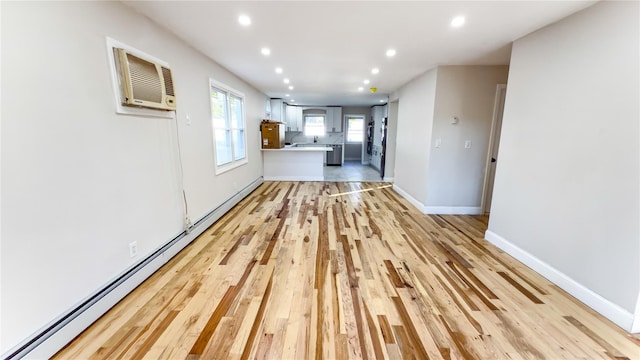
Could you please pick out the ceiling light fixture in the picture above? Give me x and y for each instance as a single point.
(458, 21)
(287, 95)
(278, 70)
(381, 101)
(265, 51)
(290, 87)
(292, 100)
(285, 80)
(366, 81)
(391, 53)
(360, 88)
(244, 20)
(375, 71)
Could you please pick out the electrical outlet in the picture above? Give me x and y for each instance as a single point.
(133, 249)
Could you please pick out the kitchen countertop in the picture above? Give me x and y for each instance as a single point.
(303, 148)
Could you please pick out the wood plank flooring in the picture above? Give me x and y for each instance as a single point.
(303, 270)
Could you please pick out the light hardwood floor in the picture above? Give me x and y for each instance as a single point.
(347, 271)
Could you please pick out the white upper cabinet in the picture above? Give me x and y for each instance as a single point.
(293, 118)
(277, 110)
(334, 119)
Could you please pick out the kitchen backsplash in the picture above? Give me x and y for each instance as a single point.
(299, 138)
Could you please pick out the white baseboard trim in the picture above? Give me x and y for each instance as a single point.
(409, 198)
(454, 210)
(294, 178)
(53, 337)
(606, 308)
(388, 179)
(635, 327)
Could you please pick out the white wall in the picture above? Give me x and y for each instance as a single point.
(415, 121)
(447, 179)
(392, 138)
(456, 174)
(566, 195)
(79, 183)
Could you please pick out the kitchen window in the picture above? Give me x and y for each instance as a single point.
(355, 129)
(227, 117)
(314, 125)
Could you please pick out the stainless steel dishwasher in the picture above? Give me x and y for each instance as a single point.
(334, 158)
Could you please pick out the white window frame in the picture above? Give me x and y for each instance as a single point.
(346, 127)
(234, 163)
(324, 124)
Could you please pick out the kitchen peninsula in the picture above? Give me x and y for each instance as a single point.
(295, 163)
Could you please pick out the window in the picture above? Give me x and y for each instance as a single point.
(355, 129)
(314, 125)
(227, 116)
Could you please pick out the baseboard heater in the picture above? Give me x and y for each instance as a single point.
(51, 338)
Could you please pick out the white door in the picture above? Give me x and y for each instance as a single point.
(494, 145)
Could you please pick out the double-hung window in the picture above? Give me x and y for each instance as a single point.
(355, 129)
(314, 125)
(230, 137)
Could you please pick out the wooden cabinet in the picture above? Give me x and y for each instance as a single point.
(334, 119)
(293, 118)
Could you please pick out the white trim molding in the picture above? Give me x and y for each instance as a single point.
(410, 198)
(453, 210)
(606, 308)
(293, 178)
(635, 327)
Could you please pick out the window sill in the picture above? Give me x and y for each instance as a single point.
(228, 167)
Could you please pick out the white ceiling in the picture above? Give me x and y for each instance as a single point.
(327, 48)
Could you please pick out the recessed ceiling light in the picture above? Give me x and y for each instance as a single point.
(366, 81)
(391, 53)
(292, 100)
(360, 88)
(278, 70)
(265, 51)
(287, 95)
(285, 80)
(457, 21)
(381, 101)
(375, 70)
(290, 87)
(244, 20)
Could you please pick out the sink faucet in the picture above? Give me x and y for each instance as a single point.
(315, 139)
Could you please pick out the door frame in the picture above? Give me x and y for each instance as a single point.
(345, 129)
(497, 109)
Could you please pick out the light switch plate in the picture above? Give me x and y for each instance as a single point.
(467, 144)
(438, 142)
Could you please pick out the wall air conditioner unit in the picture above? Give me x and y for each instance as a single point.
(145, 83)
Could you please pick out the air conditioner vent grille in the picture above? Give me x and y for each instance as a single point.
(168, 81)
(144, 79)
(144, 82)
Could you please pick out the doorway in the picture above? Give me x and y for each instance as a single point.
(354, 136)
(494, 145)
